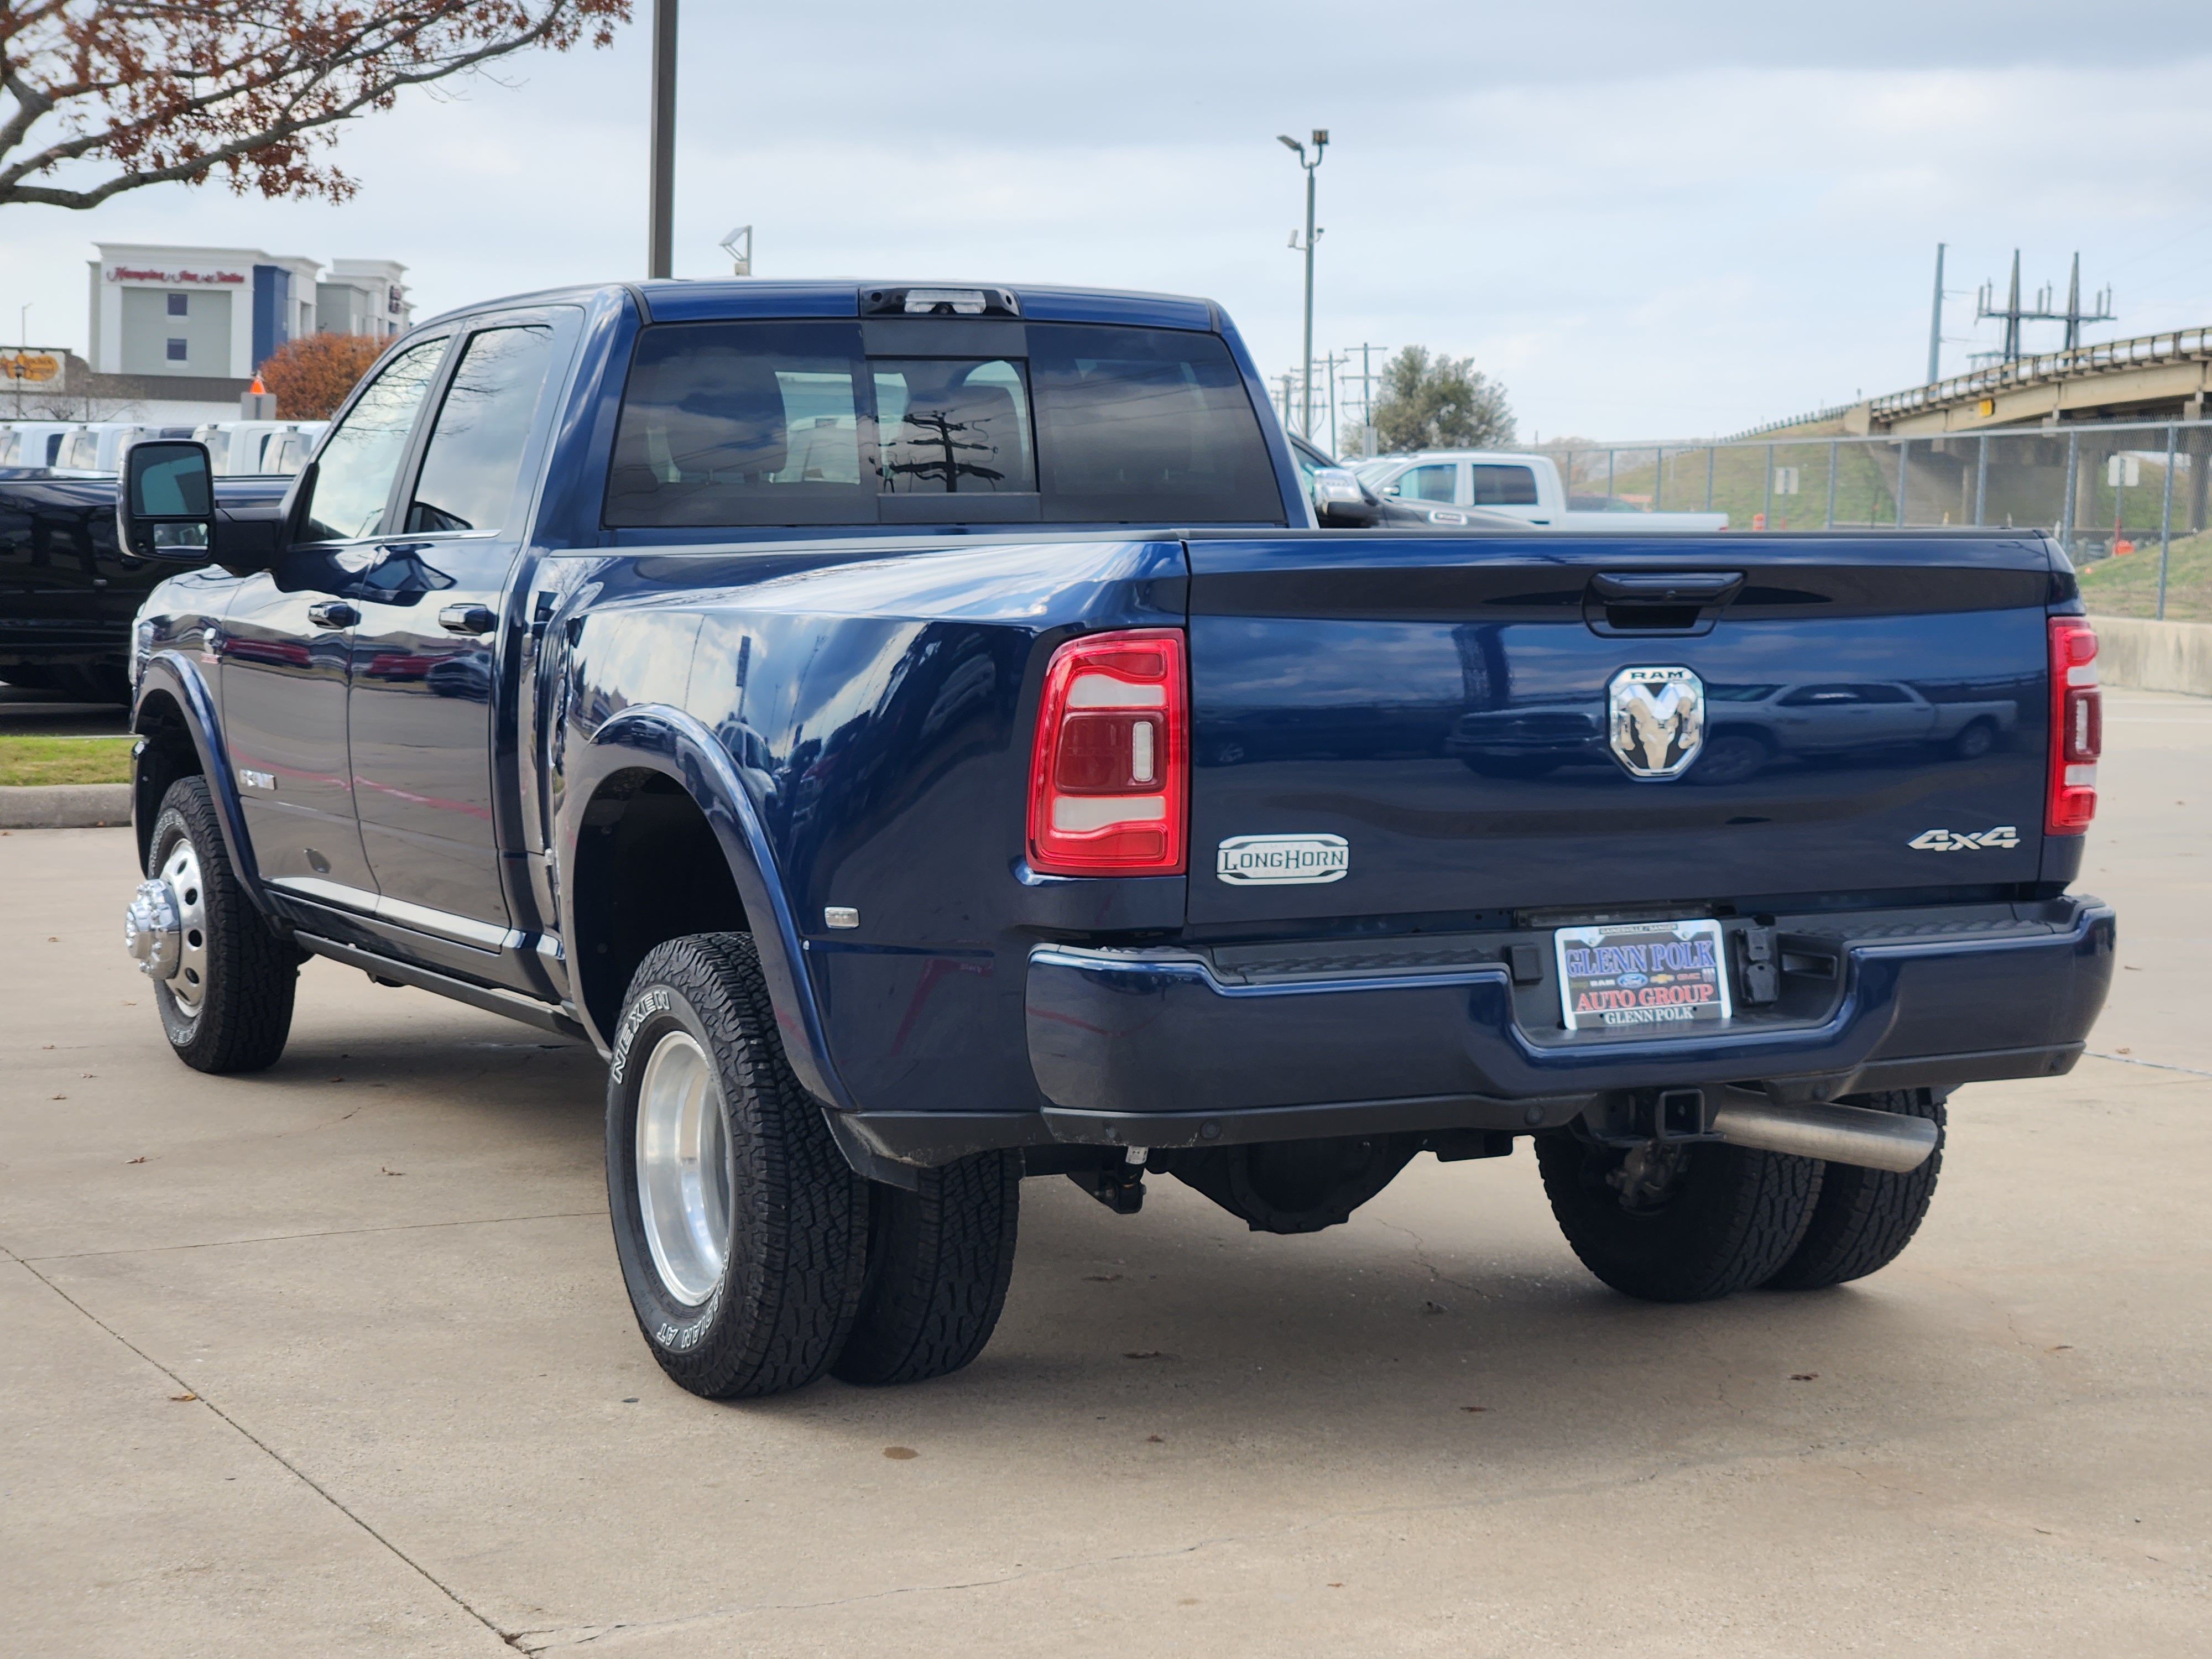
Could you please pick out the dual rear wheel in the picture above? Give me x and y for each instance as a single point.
(1691, 1223)
(757, 1261)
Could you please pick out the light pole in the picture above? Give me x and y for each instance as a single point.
(660, 208)
(1319, 143)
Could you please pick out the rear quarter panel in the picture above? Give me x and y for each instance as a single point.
(875, 703)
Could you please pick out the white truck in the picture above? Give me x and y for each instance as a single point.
(1524, 487)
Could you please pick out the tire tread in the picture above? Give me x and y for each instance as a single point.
(245, 1013)
(1865, 1217)
(940, 1261)
(1744, 1212)
(807, 1232)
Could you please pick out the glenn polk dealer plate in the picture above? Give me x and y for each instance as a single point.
(1650, 976)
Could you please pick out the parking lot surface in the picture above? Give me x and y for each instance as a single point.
(337, 1360)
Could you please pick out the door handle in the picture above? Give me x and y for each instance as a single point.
(1666, 587)
(466, 619)
(332, 613)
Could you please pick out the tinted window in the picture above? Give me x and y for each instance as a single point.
(789, 423)
(741, 423)
(1434, 483)
(1138, 425)
(475, 455)
(952, 424)
(1504, 486)
(353, 473)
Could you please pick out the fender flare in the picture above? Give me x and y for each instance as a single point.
(658, 738)
(175, 673)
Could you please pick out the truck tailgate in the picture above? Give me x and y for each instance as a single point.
(1444, 708)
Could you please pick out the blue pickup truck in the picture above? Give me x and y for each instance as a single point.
(920, 737)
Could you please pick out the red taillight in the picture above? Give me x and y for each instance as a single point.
(2077, 728)
(1109, 775)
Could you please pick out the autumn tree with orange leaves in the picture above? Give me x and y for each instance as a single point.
(311, 375)
(101, 96)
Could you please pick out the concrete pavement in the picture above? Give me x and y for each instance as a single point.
(421, 1419)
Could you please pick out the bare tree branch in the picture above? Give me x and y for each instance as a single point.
(155, 92)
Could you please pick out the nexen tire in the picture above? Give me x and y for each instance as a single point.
(789, 1218)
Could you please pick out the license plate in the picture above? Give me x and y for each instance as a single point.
(1650, 977)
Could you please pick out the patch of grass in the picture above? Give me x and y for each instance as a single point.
(2128, 586)
(28, 760)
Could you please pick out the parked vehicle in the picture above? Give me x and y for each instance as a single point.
(34, 444)
(1523, 487)
(97, 447)
(287, 454)
(68, 592)
(919, 736)
(247, 448)
(1342, 502)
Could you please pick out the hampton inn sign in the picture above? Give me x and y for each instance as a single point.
(217, 314)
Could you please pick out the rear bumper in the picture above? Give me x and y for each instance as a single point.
(1160, 1048)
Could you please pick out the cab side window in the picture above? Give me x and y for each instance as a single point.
(1438, 482)
(353, 473)
(475, 456)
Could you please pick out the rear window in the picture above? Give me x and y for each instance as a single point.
(762, 424)
(1504, 486)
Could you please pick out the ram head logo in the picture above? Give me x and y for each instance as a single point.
(1655, 720)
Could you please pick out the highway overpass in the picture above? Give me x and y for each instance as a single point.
(2152, 377)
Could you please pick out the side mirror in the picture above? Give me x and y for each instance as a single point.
(165, 501)
(1338, 499)
(1388, 489)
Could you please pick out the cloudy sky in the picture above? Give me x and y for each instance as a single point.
(1646, 220)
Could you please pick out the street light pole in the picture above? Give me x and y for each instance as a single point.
(1319, 143)
(660, 210)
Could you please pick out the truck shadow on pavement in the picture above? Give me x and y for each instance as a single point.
(1448, 1305)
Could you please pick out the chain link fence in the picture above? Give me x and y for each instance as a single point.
(2126, 499)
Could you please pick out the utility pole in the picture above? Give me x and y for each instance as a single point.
(660, 208)
(1330, 363)
(1366, 377)
(1936, 324)
(1319, 143)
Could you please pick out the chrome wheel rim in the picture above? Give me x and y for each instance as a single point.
(683, 1169)
(181, 870)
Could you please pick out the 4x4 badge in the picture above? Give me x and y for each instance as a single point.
(2005, 836)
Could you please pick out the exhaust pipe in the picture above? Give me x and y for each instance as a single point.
(1838, 1134)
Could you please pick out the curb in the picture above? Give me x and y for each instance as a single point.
(63, 806)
